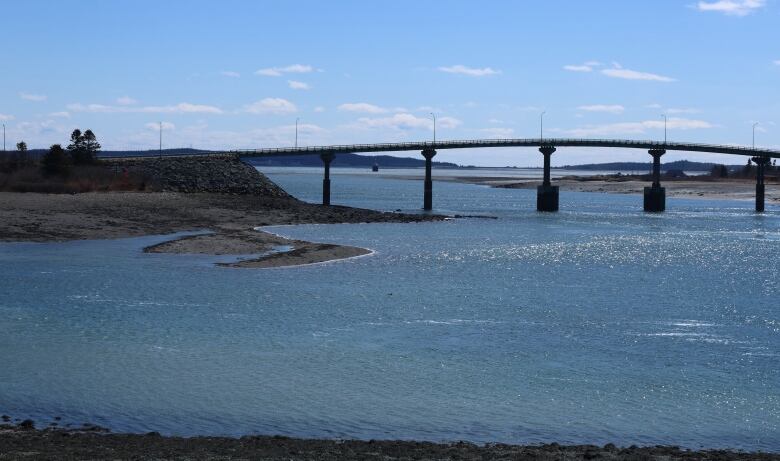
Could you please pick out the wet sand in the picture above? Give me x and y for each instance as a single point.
(232, 220)
(95, 443)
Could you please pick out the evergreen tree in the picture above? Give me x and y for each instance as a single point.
(21, 154)
(55, 161)
(76, 148)
(91, 146)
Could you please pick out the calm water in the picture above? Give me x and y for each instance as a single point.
(596, 324)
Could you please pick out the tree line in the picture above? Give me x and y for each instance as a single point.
(82, 150)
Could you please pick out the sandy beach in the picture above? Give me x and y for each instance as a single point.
(231, 219)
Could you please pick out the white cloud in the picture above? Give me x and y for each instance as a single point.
(407, 121)
(291, 69)
(230, 73)
(612, 109)
(271, 106)
(295, 85)
(126, 101)
(62, 114)
(6, 117)
(638, 127)
(319, 109)
(427, 109)
(181, 108)
(732, 7)
(578, 68)
(32, 97)
(620, 72)
(155, 126)
(363, 107)
(498, 133)
(470, 71)
(585, 67)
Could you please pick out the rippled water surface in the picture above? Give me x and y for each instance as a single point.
(596, 324)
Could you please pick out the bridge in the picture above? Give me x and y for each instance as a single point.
(547, 193)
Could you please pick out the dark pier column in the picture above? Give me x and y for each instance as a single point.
(761, 163)
(326, 157)
(655, 195)
(428, 198)
(547, 194)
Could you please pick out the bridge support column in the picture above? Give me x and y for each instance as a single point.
(761, 163)
(326, 159)
(655, 195)
(428, 187)
(547, 194)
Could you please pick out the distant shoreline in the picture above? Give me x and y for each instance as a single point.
(689, 188)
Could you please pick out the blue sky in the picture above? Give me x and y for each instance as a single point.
(236, 74)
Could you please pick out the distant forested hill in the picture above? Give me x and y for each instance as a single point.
(684, 165)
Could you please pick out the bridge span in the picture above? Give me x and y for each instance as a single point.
(547, 193)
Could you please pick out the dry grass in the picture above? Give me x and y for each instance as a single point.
(88, 178)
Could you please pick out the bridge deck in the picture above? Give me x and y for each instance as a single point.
(531, 142)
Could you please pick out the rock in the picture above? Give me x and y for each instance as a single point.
(27, 424)
(225, 174)
(5, 418)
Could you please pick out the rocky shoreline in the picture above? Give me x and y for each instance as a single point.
(23, 441)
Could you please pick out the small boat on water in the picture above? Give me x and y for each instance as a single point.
(375, 167)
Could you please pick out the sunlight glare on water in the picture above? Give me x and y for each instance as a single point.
(596, 324)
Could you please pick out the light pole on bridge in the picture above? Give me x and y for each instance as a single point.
(434, 128)
(754, 135)
(541, 127)
(296, 132)
(160, 139)
(664, 116)
(3, 137)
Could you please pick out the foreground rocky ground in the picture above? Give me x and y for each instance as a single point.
(30, 444)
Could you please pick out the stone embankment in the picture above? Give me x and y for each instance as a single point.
(224, 174)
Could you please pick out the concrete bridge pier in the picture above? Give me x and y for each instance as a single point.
(655, 195)
(547, 194)
(761, 163)
(326, 157)
(428, 197)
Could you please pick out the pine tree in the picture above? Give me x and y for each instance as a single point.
(21, 154)
(55, 161)
(91, 146)
(76, 147)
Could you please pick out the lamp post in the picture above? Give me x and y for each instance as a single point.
(160, 139)
(541, 127)
(296, 132)
(434, 128)
(754, 135)
(3, 137)
(664, 116)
